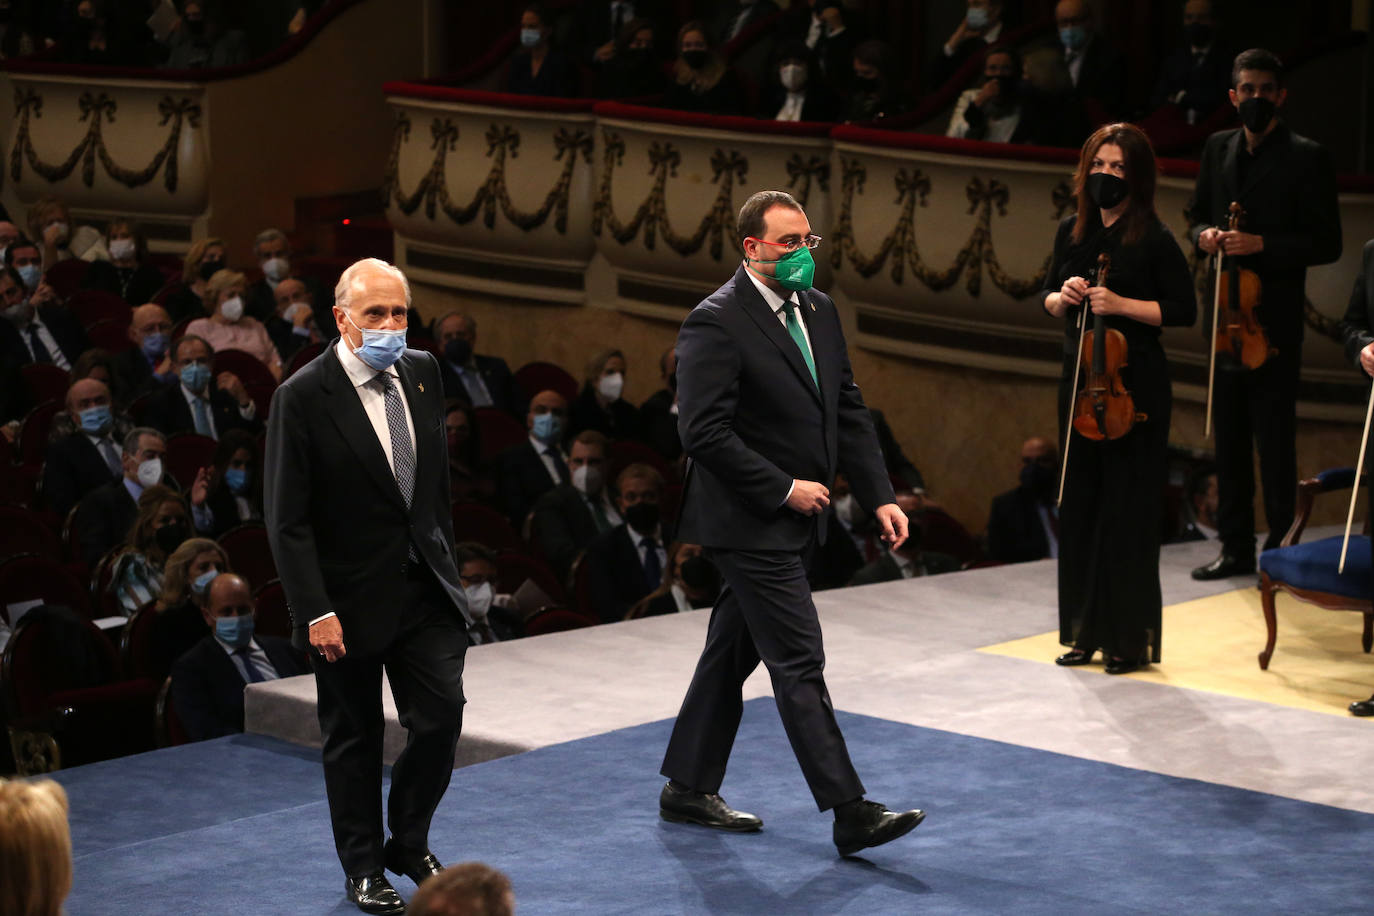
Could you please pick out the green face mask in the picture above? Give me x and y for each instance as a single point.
(794, 270)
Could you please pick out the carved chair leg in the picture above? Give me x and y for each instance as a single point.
(1267, 589)
(35, 753)
(1367, 639)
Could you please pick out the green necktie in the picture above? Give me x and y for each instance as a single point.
(794, 328)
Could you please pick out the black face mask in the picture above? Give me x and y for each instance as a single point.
(209, 268)
(1007, 87)
(865, 83)
(699, 574)
(695, 59)
(1198, 34)
(1107, 190)
(1037, 480)
(169, 537)
(195, 27)
(1256, 113)
(458, 351)
(639, 57)
(642, 517)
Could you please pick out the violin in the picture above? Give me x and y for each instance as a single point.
(1239, 337)
(1103, 408)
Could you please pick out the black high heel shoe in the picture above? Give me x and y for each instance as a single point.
(1075, 657)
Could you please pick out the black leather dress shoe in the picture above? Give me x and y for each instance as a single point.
(1123, 665)
(871, 824)
(1362, 707)
(416, 868)
(707, 809)
(1224, 567)
(1074, 658)
(374, 894)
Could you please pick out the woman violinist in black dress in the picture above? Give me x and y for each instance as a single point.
(1110, 517)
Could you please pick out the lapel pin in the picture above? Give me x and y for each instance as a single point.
(421, 386)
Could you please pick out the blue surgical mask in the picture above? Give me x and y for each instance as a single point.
(380, 348)
(1073, 37)
(154, 345)
(977, 17)
(530, 37)
(30, 274)
(547, 428)
(236, 479)
(195, 376)
(95, 420)
(201, 583)
(237, 630)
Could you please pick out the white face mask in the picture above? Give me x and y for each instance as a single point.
(63, 231)
(150, 472)
(479, 600)
(611, 386)
(587, 479)
(123, 249)
(232, 308)
(276, 269)
(293, 309)
(844, 507)
(793, 77)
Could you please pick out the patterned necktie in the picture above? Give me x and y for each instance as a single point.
(794, 328)
(107, 449)
(402, 452)
(254, 675)
(202, 417)
(41, 353)
(653, 567)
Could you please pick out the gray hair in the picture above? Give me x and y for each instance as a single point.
(352, 280)
(270, 235)
(138, 432)
(184, 339)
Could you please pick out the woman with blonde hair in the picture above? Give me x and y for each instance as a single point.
(162, 524)
(702, 81)
(228, 327)
(203, 261)
(35, 848)
(186, 579)
(601, 405)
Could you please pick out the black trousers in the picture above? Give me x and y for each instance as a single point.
(424, 664)
(1257, 406)
(764, 612)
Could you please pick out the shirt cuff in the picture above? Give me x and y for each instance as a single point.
(204, 518)
(250, 411)
(949, 52)
(789, 494)
(323, 617)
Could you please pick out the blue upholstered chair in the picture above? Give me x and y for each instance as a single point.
(1308, 571)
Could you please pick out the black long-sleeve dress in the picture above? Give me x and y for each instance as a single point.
(1110, 518)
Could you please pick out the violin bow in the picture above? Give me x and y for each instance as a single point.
(1355, 490)
(1073, 399)
(1212, 362)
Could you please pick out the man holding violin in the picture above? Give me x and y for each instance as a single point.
(1286, 187)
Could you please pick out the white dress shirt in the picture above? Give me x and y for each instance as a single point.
(791, 109)
(1073, 60)
(680, 598)
(191, 397)
(540, 450)
(776, 302)
(474, 383)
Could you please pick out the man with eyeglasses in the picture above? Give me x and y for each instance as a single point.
(527, 471)
(199, 402)
(768, 412)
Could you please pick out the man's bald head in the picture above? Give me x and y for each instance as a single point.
(1066, 10)
(228, 592)
(1039, 450)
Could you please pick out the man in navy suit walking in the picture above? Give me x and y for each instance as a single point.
(768, 411)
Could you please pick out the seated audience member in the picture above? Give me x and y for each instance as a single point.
(97, 364)
(538, 68)
(600, 23)
(469, 481)
(874, 89)
(897, 463)
(1197, 75)
(570, 515)
(851, 540)
(693, 582)
(493, 616)
(262, 301)
(204, 259)
(834, 46)
(798, 93)
(36, 848)
(600, 405)
(527, 471)
(84, 454)
(702, 80)
(474, 378)
(1097, 72)
(108, 512)
(994, 111)
(635, 71)
(469, 889)
(980, 27)
(627, 562)
(203, 39)
(907, 561)
(127, 274)
(50, 226)
(1024, 522)
(235, 486)
(293, 323)
(16, 36)
(145, 367)
(24, 256)
(658, 414)
(180, 621)
(32, 332)
(159, 528)
(1201, 511)
(200, 403)
(9, 234)
(208, 681)
(228, 327)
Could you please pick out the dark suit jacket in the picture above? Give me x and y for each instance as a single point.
(660, 424)
(134, 374)
(221, 502)
(65, 330)
(106, 515)
(1289, 198)
(521, 478)
(1357, 327)
(1102, 78)
(752, 420)
(207, 689)
(1203, 84)
(168, 411)
(72, 468)
(622, 421)
(819, 103)
(143, 285)
(339, 528)
(1015, 532)
(284, 337)
(615, 574)
(496, 375)
(564, 526)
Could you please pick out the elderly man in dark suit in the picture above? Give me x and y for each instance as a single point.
(145, 367)
(1287, 187)
(769, 410)
(199, 402)
(1357, 328)
(90, 456)
(36, 331)
(471, 377)
(357, 513)
(208, 680)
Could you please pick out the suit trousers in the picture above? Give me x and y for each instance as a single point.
(1258, 406)
(764, 613)
(424, 664)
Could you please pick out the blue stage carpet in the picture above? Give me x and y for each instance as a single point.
(239, 825)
